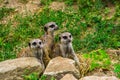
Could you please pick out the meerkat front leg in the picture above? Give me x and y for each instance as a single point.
(41, 58)
(48, 39)
(46, 53)
(74, 55)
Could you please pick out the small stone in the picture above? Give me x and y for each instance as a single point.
(99, 78)
(68, 77)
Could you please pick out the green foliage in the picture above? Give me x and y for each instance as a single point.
(117, 69)
(43, 77)
(99, 59)
(5, 11)
(23, 1)
(117, 11)
(45, 2)
(32, 76)
(69, 2)
(86, 5)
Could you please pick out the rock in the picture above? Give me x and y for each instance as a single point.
(16, 68)
(99, 78)
(114, 51)
(59, 66)
(68, 77)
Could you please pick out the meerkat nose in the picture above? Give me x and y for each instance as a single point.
(38, 46)
(69, 40)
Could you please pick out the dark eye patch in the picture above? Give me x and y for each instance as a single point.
(70, 36)
(51, 26)
(64, 37)
(40, 43)
(34, 43)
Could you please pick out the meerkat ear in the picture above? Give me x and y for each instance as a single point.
(45, 28)
(43, 41)
(29, 44)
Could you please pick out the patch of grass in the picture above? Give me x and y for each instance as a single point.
(69, 2)
(99, 59)
(6, 43)
(43, 77)
(24, 1)
(5, 12)
(34, 76)
(117, 69)
(45, 2)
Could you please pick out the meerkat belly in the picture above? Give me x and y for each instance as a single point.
(49, 42)
(38, 53)
(68, 52)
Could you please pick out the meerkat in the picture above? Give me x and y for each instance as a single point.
(64, 48)
(48, 39)
(34, 49)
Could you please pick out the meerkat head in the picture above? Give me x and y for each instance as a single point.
(65, 38)
(50, 27)
(36, 44)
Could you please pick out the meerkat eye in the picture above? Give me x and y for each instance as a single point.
(34, 43)
(40, 43)
(70, 36)
(64, 37)
(51, 26)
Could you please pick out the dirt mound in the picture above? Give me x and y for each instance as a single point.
(22, 6)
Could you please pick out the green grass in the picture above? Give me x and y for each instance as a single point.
(5, 12)
(99, 59)
(34, 76)
(117, 69)
(23, 1)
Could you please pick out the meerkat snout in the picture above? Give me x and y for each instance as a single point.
(36, 44)
(65, 38)
(51, 26)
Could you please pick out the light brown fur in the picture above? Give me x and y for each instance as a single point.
(25, 52)
(64, 48)
(35, 49)
(48, 39)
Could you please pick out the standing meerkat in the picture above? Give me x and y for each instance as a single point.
(35, 49)
(48, 39)
(64, 48)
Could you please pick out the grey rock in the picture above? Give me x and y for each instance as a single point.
(15, 69)
(99, 78)
(59, 66)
